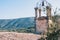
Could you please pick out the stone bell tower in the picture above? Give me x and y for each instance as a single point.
(42, 21)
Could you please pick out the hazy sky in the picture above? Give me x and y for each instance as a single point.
(21, 8)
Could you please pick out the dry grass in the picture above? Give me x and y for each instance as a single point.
(18, 36)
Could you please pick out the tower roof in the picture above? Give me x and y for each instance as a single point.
(43, 3)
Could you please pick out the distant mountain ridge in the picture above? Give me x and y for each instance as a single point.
(17, 23)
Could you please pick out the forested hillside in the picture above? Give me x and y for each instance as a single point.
(19, 23)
